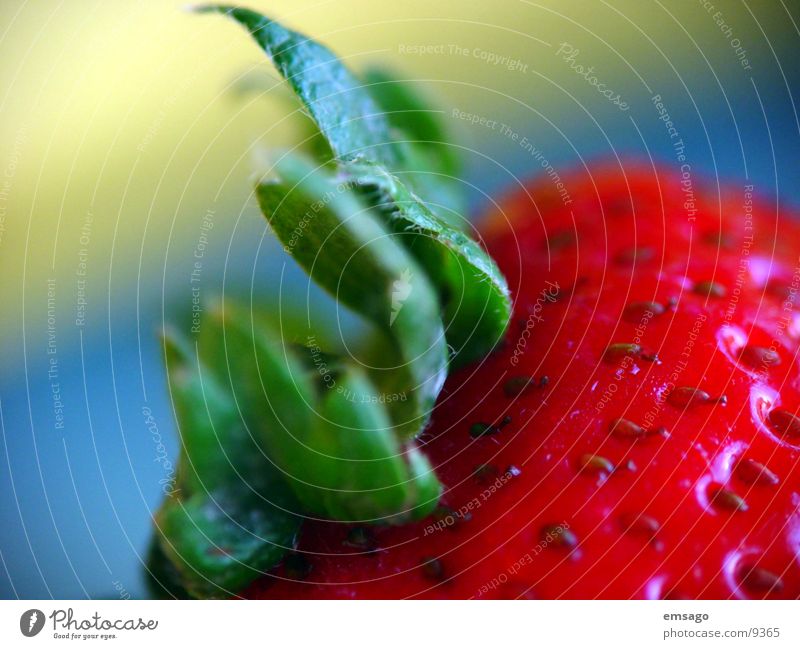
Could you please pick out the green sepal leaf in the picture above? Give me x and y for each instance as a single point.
(222, 541)
(215, 447)
(430, 164)
(334, 443)
(372, 120)
(272, 389)
(347, 251)
(473, 291)
(343, 109)
(411, 113)
(362, 472)
(231, 514)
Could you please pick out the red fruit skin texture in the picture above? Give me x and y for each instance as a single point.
(564, 504)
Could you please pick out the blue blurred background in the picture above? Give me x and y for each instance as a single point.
(129, 132)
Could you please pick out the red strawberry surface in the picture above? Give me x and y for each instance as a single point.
(636, 435)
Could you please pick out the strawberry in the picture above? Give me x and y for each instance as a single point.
(637, 434)
(629, 429)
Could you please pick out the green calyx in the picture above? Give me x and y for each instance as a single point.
(266, 441)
